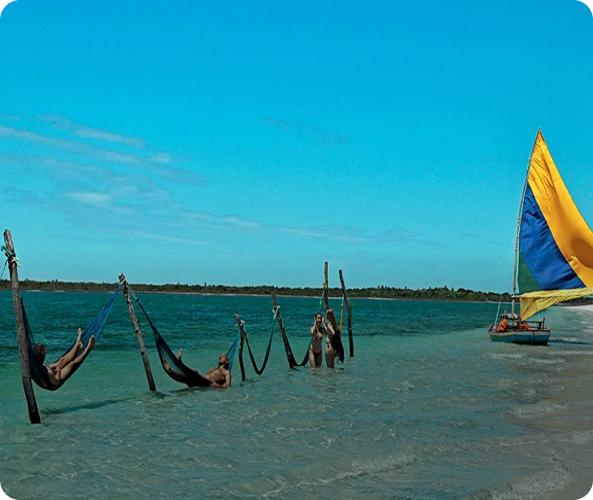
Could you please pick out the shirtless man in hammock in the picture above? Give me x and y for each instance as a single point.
(220, 375)
(61, 370)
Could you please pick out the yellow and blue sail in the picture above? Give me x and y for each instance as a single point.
(555, 242)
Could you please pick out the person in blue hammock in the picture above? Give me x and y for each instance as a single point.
(220, 375)
(63, 368)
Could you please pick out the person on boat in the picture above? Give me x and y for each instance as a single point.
(318, 330)
(525, 326)
(219, 376)
(333, 340)
(63, 368)
(503, 325)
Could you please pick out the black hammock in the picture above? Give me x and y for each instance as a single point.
(173, 366)
(292, 362)
(38, 370)
(242, 331)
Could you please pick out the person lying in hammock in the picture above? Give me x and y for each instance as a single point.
(219, 376)
(63, 368)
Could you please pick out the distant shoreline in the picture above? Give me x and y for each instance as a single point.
(441, 294)
(204, 294)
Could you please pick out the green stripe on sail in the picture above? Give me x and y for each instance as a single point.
(525, 280)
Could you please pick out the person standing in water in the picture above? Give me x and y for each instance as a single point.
(333, 340)
(316, 348)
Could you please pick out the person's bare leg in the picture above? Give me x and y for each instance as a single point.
(67, 370)
(319, 359)
(67, 358)
(312, 358)
(330, 355)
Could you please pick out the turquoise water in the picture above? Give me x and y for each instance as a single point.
(429, 407)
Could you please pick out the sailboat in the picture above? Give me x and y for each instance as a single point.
(553, 252)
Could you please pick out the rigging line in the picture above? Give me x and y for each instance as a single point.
(504, 282)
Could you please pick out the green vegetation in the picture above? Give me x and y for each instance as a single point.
(380, 292)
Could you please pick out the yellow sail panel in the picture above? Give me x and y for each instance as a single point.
(570, 231)
(533, 302)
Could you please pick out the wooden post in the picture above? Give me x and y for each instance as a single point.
(325, 290)
(289, 355)
(20, 329)
(348, 307)
(242, 330)
(136, 326)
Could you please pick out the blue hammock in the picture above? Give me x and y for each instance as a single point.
(38, 370)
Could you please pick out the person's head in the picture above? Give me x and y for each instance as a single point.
(331, 317)
(318, 318)
(41, 350)
(223, 360)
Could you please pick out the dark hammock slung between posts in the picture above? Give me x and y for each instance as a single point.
(39, 373)
(257, 370)
(289, 355)
(172, 365)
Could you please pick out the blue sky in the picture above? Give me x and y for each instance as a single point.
(246, 143)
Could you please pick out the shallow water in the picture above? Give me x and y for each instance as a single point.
(429, 407)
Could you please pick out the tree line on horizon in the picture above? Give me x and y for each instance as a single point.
(436, 293)
(379, 292)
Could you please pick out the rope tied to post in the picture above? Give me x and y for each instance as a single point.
(11, 258)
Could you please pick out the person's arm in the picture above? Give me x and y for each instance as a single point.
(54, 378)
(228, 378)
(315, 333)
(329, 330)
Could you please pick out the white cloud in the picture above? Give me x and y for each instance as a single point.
(91, 198)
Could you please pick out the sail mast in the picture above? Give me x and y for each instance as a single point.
(515, 270)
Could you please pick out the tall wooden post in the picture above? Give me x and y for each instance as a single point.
(20, 328)
(289, 356)
(349, 309)
(136, 326)
(325, 290)
(242, 330)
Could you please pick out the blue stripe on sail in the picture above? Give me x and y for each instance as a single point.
(540, 251)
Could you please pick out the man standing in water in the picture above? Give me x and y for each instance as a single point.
(316, 348)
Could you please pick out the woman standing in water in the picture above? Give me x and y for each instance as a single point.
(333, 340)
(316, 349)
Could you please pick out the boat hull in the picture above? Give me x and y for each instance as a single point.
(529, 337)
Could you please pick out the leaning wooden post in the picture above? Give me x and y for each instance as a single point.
(123, 282)
(242, 330)
(325, 290)
(349, 309)
(289, 355)
(20, 328)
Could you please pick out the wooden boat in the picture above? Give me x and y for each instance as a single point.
(553, 252)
